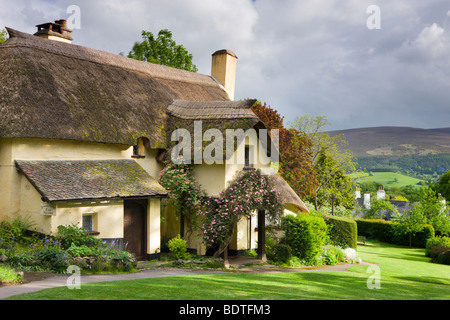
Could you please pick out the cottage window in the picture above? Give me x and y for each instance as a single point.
(88, 222)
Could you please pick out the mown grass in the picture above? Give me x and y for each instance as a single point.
(405, 274)
(391, 179)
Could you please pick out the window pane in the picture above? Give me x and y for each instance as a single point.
(88, 223)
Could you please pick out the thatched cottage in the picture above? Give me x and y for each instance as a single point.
(83, 136)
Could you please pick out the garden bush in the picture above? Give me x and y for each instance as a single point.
(342, 231)
(178, 248)
(332, 255)
(444, 258)
(390, 232)
(282, 253)
(82, 251)
(14, 230)
(9, 276)
(30, 251)
(306, 235)
(76, 235)
(437, 245)
(54, 259)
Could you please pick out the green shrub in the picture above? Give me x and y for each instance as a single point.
(390, 232)
(332, 255)
(306, 235)
(444, 258)
(14, 231)
(342, 231)
(76, 235)
(82, 251)
(375, 229)
(418, 239)
(178, 248)
(436, 246)
(9, 276)
(54, 259)
(282, 253)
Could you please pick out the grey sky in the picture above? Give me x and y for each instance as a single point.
(313, 57)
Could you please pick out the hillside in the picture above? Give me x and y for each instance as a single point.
(396, 141)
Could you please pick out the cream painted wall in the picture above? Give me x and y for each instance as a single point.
(19, 198)
(108, 216)
(210, 177)
(46, 149)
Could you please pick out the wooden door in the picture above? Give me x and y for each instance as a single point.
(135, 227)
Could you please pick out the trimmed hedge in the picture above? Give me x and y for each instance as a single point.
(305, 234)
(444, 258)
(389, 232)
(436, 246)
(343, 232)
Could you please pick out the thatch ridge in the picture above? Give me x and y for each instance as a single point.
(212, 109)
(17, 38)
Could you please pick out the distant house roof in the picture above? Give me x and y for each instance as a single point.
(90, 180)
(50, 89)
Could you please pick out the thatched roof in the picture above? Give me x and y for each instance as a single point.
(224, 110)
(51, 89)
(290, 199)
(220, 115)
(90, 180)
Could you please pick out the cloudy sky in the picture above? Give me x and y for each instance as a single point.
(313, 57)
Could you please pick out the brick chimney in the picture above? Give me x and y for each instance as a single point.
(223, 69)
(55, 31)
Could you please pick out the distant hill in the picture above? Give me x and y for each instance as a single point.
(396, 141)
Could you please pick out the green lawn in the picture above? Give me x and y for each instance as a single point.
(391, 179)
(405, 274)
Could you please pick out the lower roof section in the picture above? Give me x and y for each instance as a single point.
(84, 180)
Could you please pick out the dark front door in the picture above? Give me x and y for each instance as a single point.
(135, 227)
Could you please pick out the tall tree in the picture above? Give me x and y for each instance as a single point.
(334, 186)
(314, 127)
(443, 186)
(412, 221)
(162, 50)
(331, 160)
(295, 152)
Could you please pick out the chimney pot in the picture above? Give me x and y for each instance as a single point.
(223, 69)
(55, 31)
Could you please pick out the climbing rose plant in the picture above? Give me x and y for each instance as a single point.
(185, 192)
(247, 192)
